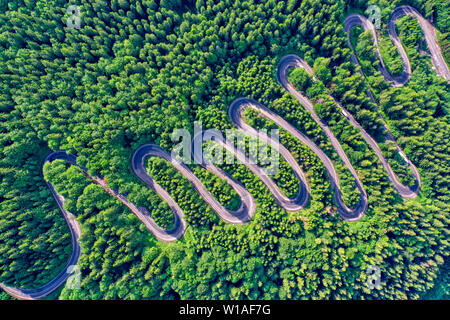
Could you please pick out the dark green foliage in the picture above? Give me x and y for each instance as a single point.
(134, 72)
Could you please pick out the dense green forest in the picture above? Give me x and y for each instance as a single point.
(136, 70)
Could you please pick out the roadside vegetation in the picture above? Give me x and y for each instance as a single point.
(137, 70)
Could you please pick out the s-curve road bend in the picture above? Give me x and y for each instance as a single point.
(437, 60)
(239, 216)
(243, 214)
(429, 33)
(293, 61)
(235, 114)
(297, 203)
(75, 233)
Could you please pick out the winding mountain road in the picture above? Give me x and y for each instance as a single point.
(247, 207)
(235, 114)
(429, 32)
(75, 233)
(293, 61)
(439, 65)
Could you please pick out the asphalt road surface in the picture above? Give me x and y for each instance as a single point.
(247, 207)
(293, 61)
(75, 232)
(430, 37)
